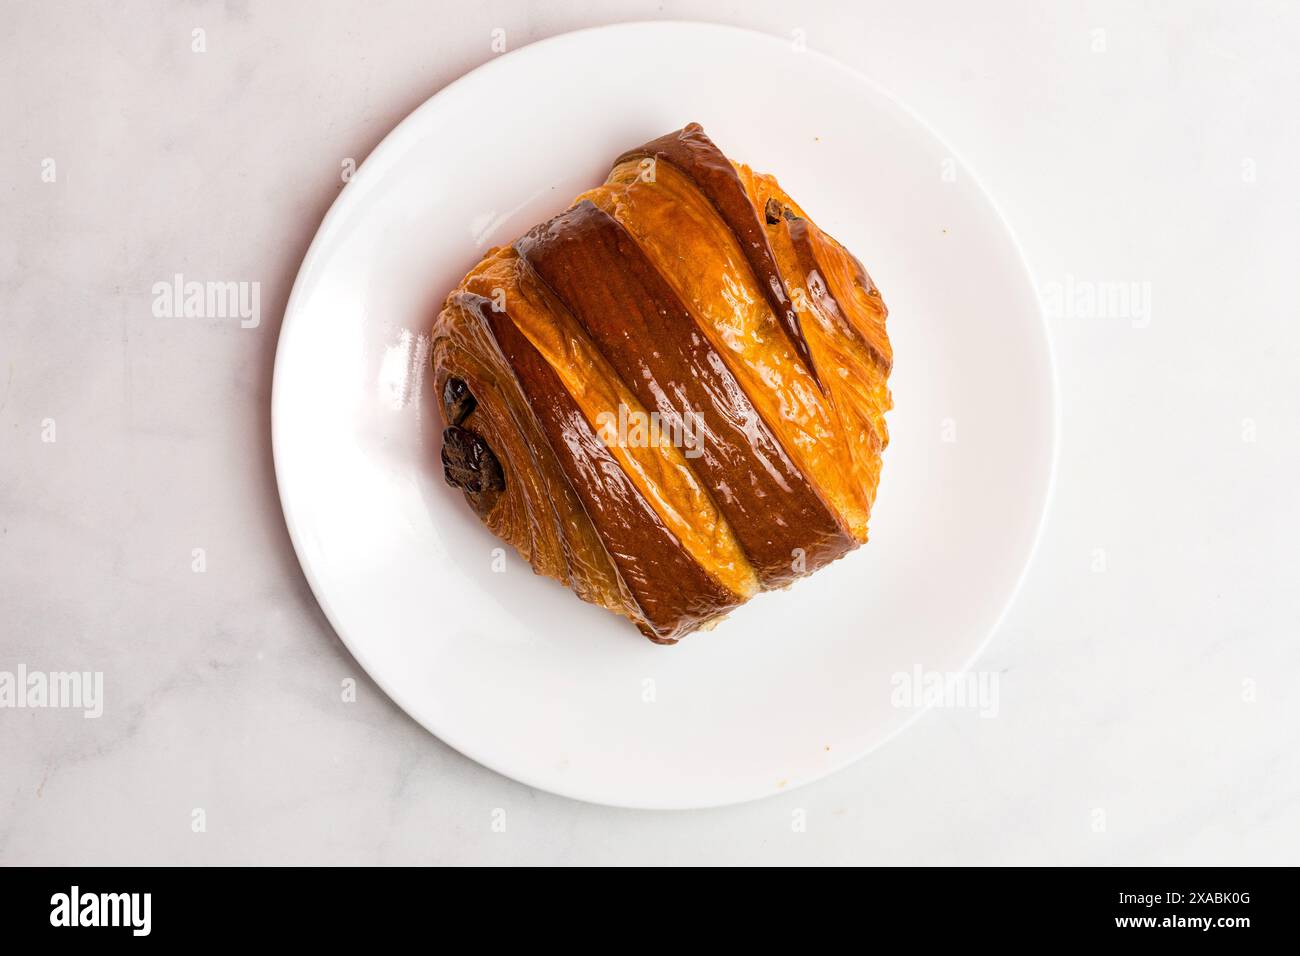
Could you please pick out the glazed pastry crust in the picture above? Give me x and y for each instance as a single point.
(690, 288)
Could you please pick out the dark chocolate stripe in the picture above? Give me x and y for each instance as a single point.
(691, 151)
(806, 252)
(672, 589)
(641, 326)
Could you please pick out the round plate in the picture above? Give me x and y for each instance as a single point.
(511, 669)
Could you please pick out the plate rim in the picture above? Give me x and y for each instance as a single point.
(329, 225)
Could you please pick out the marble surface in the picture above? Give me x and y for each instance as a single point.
(1148, 709)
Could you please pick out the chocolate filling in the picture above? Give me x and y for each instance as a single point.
(468, 463)
(458, 400)
(774, 212)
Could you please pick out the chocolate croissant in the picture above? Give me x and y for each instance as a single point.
(672, 395)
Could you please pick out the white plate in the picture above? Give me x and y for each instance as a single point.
(513, 670)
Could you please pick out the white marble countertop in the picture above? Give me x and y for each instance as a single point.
(1148, 708)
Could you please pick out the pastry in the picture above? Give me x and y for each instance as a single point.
(671, 396)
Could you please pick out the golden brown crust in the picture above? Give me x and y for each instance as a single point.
(650, 339)
(700, 291)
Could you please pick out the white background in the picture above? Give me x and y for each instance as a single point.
(1148, 671)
